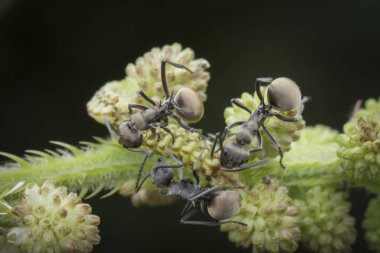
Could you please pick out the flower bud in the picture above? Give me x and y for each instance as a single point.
(53, 221)
(371, 225)
(112, 99)
(271, 219)
(360, 144)
(325, 221)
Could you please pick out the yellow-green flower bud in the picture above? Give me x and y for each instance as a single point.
(271, 218)
(113, 98)
(112, 101)
(6, 247)
(360, 144)
(147, 70)
(284, 132)
(53, 221)
(326, 224)
(371, 224)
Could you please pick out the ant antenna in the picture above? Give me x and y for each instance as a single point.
(196, 164)
(110, 128)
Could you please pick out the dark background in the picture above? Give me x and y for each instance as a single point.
(55, 54)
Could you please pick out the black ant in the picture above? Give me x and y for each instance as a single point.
(186, 105)
(283, 95)
(219, 202)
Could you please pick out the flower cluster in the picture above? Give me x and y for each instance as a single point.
(53, 220)
(147, 71)
(360, 143)
(271, 218)
(113, 98)
(326, 224)
(49, 219)
(371, 225)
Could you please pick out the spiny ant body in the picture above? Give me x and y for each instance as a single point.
(219, 203)
(186, 105)
(283, 95)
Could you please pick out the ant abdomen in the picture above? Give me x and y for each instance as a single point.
(284, 94)
(188, 105)
(224, 204)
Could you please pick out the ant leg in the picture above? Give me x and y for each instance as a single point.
(164, 122)
(235, 124)
(163, 74)
(217, 137)
(177, 65)
(183, 125)
(196, 164)
(237, 102)
(222, 136)
(147, 155)
(186, 208)
(171, 134)
(227, 130)
(138, 186)
(248, 166)
(178, 166)
(146, 97)
(284, 118)
(154, 133)
(276, 144)
(261, 81)
(110, 129)
(179, 163)
(137, 106)
(296, 118)
(260, 140)
(187, 216)
(213, 189)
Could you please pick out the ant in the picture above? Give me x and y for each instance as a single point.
(186, 105)
(219, 202)
(283, 95)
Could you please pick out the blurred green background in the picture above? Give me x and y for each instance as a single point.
(55, 54)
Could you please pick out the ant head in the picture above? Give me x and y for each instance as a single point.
(224, 204)
(284, 94)
(129, 136)
(188, 105)
(162, 176)
(233, 155)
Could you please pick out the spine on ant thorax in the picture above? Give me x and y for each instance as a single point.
(187, 148)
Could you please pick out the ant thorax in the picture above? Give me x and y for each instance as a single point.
(167, 106)
(184, 189)
(143, 119)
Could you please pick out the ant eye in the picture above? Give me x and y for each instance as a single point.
(284, 94)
